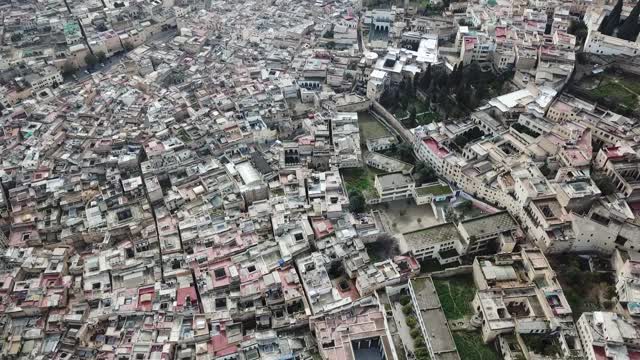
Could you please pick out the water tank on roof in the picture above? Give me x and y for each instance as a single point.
(370, 57)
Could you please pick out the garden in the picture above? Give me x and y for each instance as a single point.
(419, 346)
(455, 296)
(471, 347)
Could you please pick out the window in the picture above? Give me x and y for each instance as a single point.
(221, 303)
(621, 240)
(220, 273)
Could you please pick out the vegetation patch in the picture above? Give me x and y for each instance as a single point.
(468, 136)
(360, 179)
(585, 290)
(434, 190)
(471, 347)
(455, 296)
(433, 265)
(542, 344)
(525, 130)
(617, 93)
(384, 247)
(370, 127)
(613, 88)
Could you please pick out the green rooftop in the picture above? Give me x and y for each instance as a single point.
(435, 190)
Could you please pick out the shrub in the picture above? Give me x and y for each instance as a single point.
(405, 299)
(407, 309)
(357, 202)
(412, 322)
(421, 352)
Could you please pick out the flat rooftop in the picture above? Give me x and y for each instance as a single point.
(424, 237)
(394, 180)
(437, 328)
(480, 226)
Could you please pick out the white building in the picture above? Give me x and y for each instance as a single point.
(49, 76)
(378, 81)
(441, 242)
(394, 186)
(605, 335)
(598, 43)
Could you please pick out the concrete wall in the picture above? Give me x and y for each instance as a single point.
(450, 272)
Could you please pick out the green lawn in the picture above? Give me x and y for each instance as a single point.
(616, 88)
(427, 118)
(420, 106)
(631, 84)
(617, 92)
(542, 344)
(583, 289)
(432, 265)
(370, 128)
(471, 347)
(399, 114)
(435, 190)
(360, 179)
(455, 296)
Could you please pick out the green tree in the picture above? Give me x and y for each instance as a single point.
(411, 120)
(472, 73)
(68, 68)
(611, 23)
(415, 333)
(419, 343)
(604, 184)
(450, 215)
(15, 37)
(411, 88)
(407, 309)
(90, 59)
(579, 29)
(421, 353)
(356, 202)
(405, 152)
(424, 173)
(425, 79)
(411, 322)
(465, 206)
(405, 299)
(629, 29)
(545, 170)
(101, 56)
(453, 80)
(328, 35)
(331, 44)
